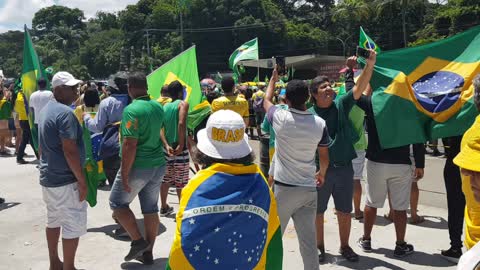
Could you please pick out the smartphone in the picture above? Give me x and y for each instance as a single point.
(361, 52)
(281, 68)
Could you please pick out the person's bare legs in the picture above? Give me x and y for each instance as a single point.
(319, 220)
(126, 218)
(179, 194)
(164, 194)
(18, 139)
(69, 250)
(414, 197)
(400, 221)
(53, 235)
(151, 223)
(357, 198)
(370, 215)
(344, 226)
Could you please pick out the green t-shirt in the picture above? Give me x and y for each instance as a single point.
(170, 122)
(340, 130)
(143, 120)
(5, 109)
(357, 117)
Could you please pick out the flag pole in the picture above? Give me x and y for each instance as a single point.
(258, 69)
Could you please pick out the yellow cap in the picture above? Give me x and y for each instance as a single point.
(469, 156)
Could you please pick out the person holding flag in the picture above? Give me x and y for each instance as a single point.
(217, 203)
(21, 108)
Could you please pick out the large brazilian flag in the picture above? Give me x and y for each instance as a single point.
(425, 92)
(227, 220)
(31, 72)
(183, 68)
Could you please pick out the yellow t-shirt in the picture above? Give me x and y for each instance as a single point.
(259, 94)
(20, 107)
(472, 209)
(233, 103)
(164, 100)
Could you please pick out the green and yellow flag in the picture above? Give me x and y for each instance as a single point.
(248, 51)
(211, 222)
(31, 72)
(183, 68)
(366, 42)
(425, 92)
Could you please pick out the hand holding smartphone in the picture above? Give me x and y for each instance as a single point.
(281, 67)
(364, 53)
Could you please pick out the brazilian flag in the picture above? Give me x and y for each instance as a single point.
(93, 168)
(425, 92)
(31, 72)
(227, 220)
(366, 42)
(182, 68)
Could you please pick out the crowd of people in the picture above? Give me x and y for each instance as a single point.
(318, 149)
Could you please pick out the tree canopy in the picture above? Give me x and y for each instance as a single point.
(146, 35)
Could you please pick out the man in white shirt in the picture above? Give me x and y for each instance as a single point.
(299, 136)
(39, 99)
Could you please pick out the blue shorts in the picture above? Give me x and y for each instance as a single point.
(339, 185)
(145, 183)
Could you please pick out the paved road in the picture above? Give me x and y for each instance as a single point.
(23, 244)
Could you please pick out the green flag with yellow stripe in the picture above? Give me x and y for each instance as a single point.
(31, 72)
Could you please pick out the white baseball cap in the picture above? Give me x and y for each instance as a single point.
(224, 136)
(64, 78)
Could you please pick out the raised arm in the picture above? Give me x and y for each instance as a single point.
(267, 101)
(364, 78)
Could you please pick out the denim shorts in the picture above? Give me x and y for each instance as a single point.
(145, 183)
(338, 184)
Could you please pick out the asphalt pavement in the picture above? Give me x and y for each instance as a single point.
(23, 244)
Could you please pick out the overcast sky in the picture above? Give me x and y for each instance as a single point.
(15, 13)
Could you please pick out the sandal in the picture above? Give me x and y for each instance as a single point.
(358, 217)
(416, 221)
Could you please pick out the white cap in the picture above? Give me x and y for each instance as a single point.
(64, 78)
(224, 136)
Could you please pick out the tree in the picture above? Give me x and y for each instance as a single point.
(46, 19)
(404, 6)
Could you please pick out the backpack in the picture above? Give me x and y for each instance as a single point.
(258, 104)
(110, 143)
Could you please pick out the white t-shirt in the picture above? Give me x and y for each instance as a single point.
(38, 100)
(298, 135)
(471, 259)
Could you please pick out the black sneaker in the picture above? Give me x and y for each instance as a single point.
(137, 248)
(22, 161)
(321, 254)
(402, 250)
(365, 244)
(452, 254)
(146, 258)
(166, 211)
(348, 253)
(2, 200)
(121, 232)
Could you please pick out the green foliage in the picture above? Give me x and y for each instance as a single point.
(110, 42)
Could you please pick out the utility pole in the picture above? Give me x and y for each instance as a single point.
(181, 30)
